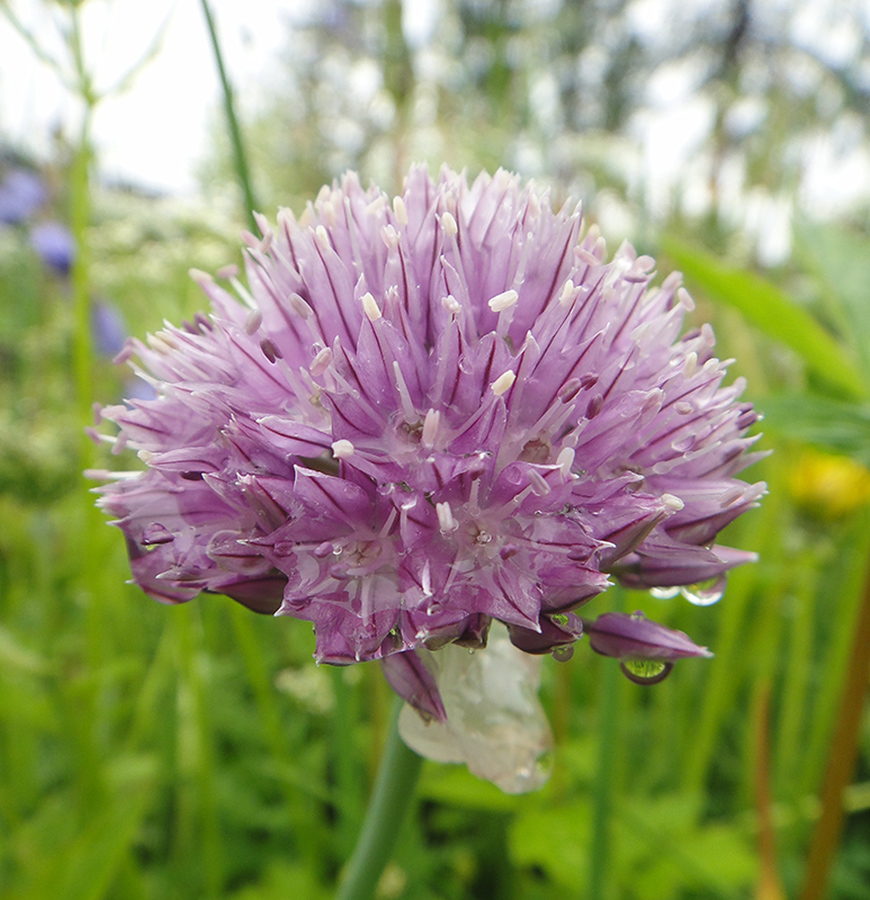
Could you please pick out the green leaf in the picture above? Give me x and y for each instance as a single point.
(84, 867)
(830, 424)
(770, 309)
(840, 257)
(554, 839)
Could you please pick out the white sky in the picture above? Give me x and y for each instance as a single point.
(154, 133)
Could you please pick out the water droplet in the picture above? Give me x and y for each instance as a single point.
(705, 593)
(646, 671)
(465, 364)
(664, 593)
(563, 652)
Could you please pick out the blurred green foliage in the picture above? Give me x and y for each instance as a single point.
(195, 751)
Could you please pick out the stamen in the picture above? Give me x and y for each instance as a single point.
(200, 277)
(448, 225)
(372, 310)
(503, 383)
(409, 411)
(685, 299)
(451, 304)
(299, 306)
(538, 483)
(253, 321)
(401, 211)
(342, 449)
(671, 501)
(504, 300)
(244, 293)
(446, 522)
(565, 460)
(321, 362)
(473, 498)
(570, 292)
(321, 235)
(430, 428)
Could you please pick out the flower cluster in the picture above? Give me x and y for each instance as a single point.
(426, 414)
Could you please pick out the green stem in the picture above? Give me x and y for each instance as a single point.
(602, 796)
(239, 155)
(391, 797)
(843, 753)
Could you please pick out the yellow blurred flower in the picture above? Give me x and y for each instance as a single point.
(830, 485)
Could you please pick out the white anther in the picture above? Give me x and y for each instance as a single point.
(538, 483)
(644, 264)
(691, 364)
(685, 299)
(401, 211)
(321, 362)
(230, 271)
(200, 277)
(430, 428)
(504, 300)
(372, 310)
(565, 460)
(446, 522)
(299, 306)
(390, 236)
(253, 321)
(672, 502)
(451, 304)
(342, 449)
(448, 224)
(322, 236)
(503, 383)
(569, 293)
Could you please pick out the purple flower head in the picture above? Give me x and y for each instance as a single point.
(428, 414)
(21, 194)
(54, 243)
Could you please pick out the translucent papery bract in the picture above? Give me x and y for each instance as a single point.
(494, 721)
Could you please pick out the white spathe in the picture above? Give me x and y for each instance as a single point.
(495, 722)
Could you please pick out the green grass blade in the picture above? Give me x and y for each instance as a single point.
(769, 308)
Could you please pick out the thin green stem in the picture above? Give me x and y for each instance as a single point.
(391, 797)
(80, 220)
(842, 755)
(602, 794)
(239, 156)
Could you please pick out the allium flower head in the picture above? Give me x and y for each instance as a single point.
(425, 415)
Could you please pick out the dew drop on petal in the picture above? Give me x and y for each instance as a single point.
(664, 593)
(646, 671)
(705, 593)
(563, 653)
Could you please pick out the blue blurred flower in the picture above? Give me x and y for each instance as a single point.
(21, 194)
(108, 328)
(55, 244)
